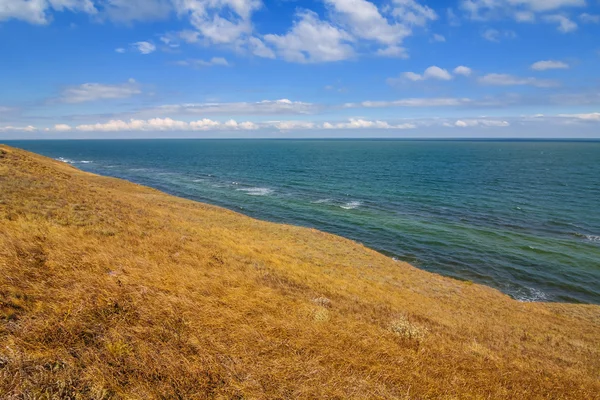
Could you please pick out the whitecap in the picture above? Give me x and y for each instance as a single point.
(593, 238)
(321, 201)
(256, 191)
(65, 160)
(533, 295)
(351, 205)
(85, 162)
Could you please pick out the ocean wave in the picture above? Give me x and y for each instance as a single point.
(69, 161)
(590, 238)
(532, 295)
(321, 201)
(351, 205)
(256, 191)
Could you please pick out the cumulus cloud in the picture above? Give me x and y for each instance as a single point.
(432, 72)
(474, 123)
(39, 11)
(168, 124)
(292, 125)
(96, 91)
(510, 80)
(549, 64)
(144, 47)
(591, 117)
(165, 124)
(392, 51)
(258, 48)
(357, 123)
(565, 25)
(219, 22)
(312, 40)
(62, 128)
(18, 128)
(215, 61)
(462, 70)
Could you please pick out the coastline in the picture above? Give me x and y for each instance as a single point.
(270, 296)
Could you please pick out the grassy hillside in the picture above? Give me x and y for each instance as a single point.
(113, 290)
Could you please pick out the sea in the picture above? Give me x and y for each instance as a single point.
(519, 216)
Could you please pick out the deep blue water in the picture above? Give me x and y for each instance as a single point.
(522, 217)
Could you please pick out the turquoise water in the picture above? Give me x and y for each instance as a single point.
(522, 217)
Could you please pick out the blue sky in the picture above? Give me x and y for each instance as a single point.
(326, 68)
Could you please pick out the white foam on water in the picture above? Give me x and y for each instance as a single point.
(351, 205)
(321, 201)
(256, 191)
(65, 160)
(533, 296)
(69, 161)
(593, 238)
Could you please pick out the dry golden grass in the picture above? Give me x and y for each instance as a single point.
(113, 290)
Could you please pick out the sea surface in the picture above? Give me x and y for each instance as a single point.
(520, 216)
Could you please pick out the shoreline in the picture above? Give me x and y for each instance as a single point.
(128, 289)
(421, 254)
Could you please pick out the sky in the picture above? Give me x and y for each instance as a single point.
(299, 69)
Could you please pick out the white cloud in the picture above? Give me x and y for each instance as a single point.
(549, 64)
(96, 91)
(219, 21)
(474, 123)
(494, 35)
(62, 128)
(265, 107)
(258, 48)
(520, 10)
(589, 18)
(39, 11)
(18, 128)
(165, 124)
(215, 61)
(312, 40)
(412, 13)
(438, 38)
(357, 123)
(120, 50)
(565, 25)
(592, 117)
(414, 102)
(510, 80)
(392, 51)
(363, 20)
(144, 47)
(462, 70)
(292, 125)
(432, 72)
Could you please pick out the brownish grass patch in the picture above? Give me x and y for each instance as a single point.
(113, 290)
